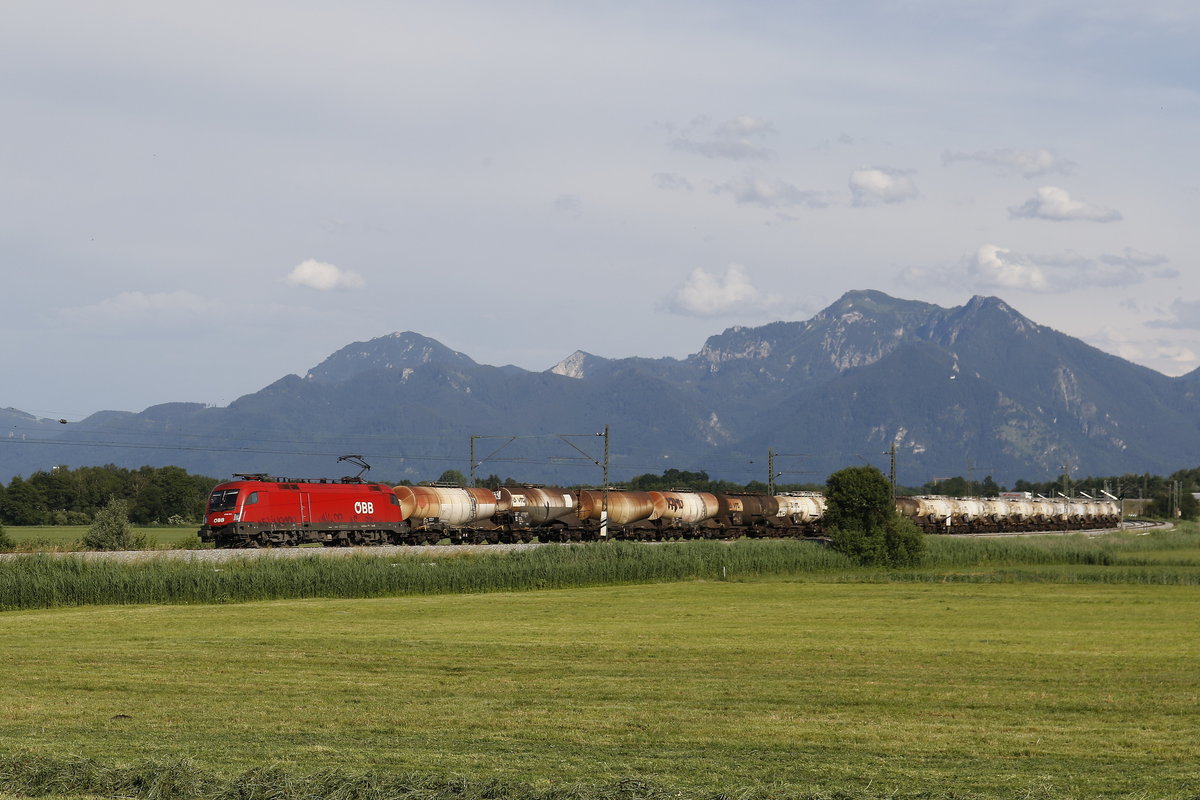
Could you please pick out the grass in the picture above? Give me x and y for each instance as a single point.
(781, 687)
(44, 581)
(1058, 666)
(59, 538)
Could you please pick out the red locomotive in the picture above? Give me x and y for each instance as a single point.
(259, 511)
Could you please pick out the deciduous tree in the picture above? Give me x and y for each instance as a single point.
(862, 522)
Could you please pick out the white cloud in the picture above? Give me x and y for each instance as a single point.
(1001, 268)
(324, 277)
(1027, 163)
(770, 193)
(732, 139)
(1055, 204)
(706, 294)
(881, 185)
(994, 267)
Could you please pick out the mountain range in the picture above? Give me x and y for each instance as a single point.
(977, 389)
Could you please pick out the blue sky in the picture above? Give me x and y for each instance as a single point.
(197, 199)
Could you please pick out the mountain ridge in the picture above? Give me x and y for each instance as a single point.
(976, 387)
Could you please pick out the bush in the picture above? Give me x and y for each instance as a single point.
(904, 542)
(7, 545)
(111, 530)
(863, 523)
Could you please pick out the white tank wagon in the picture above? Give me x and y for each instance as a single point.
(997, 509)
(676, 509)
(1057, 512)
(800, 513)
(970, 513)
(931, 513)
(1020, 510)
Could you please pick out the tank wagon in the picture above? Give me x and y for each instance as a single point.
(936, 514)
(258, 511)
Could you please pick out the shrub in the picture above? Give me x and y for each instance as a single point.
(863, 523)
(111, 530)
(6, 543)
(904, 542)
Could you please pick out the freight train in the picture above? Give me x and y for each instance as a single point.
(261, 511)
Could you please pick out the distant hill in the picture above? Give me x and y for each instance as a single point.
(976, 389)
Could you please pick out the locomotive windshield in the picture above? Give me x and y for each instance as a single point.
(223, 500)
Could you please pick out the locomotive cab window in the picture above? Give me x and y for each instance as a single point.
(223, 500)
(253, 498)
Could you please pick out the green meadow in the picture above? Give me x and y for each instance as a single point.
(70, 537)
(1006, 673)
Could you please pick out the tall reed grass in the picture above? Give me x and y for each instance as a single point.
(949, 551)
(41, 581)
(44, 581)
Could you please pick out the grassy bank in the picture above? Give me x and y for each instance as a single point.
(782, 688)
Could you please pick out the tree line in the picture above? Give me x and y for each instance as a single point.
(65, 496)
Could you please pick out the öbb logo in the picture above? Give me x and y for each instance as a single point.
(364, 507)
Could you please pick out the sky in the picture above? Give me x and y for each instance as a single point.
(197, 199)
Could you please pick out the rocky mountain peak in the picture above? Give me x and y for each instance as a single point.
(406, 350)
(578, 365)
(980, 317)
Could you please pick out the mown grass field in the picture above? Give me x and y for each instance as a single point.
(999, 689)
(831, 682)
